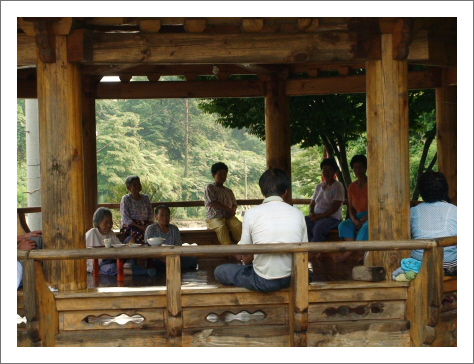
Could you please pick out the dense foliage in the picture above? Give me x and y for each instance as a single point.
(148, 138)
(337, 122)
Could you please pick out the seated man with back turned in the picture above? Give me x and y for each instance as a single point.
(274, 221)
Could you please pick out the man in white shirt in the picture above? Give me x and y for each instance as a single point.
(274, 221)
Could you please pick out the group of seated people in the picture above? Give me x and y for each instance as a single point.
(276, 221)
(272, 221)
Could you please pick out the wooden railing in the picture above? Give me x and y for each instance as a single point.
(423, 299)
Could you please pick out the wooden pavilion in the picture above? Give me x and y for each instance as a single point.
(61, 61)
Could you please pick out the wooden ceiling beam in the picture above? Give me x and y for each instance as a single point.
(179, 90)
(262, 48)
(354, 84)
(231, 48)
(165, 70)
(255, 88)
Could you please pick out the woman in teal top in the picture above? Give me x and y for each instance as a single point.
(435, 217)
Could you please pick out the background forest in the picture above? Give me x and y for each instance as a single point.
(172, 143)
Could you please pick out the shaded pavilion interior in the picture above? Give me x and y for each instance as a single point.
(60, 61)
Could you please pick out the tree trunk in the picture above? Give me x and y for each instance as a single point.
(186, 139)
(421, 166)
(343, 175)
(343, 161)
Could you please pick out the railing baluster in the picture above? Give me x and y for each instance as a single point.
(299, 300)
(173, 300)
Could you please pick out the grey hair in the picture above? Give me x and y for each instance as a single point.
(99, 215)
(129, 179)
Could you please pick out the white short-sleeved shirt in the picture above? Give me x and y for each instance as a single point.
(95, 238)
(325, 195)
(274, 221)
(430, 220)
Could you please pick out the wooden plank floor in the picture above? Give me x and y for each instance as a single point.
(324, 270)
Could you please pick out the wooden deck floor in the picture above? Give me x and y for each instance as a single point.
(324, 270)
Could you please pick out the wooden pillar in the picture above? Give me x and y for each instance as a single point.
(173, 300)
(425, 297)
(277, 126)
(387, 154)
(446, 129)
(89, 149)
(61, 156)
(299, 300)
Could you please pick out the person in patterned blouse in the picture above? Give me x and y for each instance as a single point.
(221, 206)
(135, 211)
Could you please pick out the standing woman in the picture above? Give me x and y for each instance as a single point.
(326, 203)
(356, 227)
(135, 211)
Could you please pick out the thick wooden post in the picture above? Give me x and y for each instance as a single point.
(446, 129)
(277, 126)
(299, 300)
(387, 154)
(62, 172)
(89, 149)
(173, 300)
(424, 298)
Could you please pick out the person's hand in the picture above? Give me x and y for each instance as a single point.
(29, 235)
(229, 214)
(26, 244)
(314, 217)
(358, 224)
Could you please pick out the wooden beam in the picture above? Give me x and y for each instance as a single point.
(165, 70)
(356, 83)
(62, 173)
(446, 133)
(299, 300)
(252, 25)
(258, 69)
(432, 50)
(229, 48)
(195, 25)
(174, 322)
(89, 148)
(308, 24)
(277, 128)
(387, 154)
(177, 89)
(417, 80)
(150, 26)
(79, 46)
(424, 298)
(26, 50)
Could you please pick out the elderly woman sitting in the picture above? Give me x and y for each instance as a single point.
(435, 218)
(136, 211)
(102, 222)
(163, 229)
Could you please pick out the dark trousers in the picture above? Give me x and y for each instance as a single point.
(186, 263)
(245, 276)
(318, 230)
